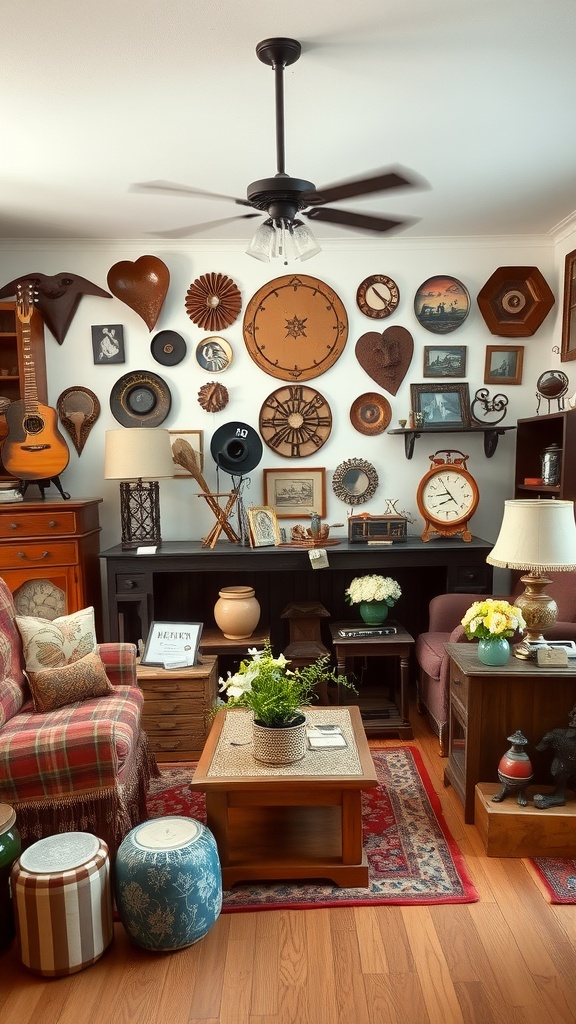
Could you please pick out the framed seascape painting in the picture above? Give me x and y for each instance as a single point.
(444, 361)
(441, 405)
(295, 493)
(503, 364)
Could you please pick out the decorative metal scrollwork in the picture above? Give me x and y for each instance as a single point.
(493, 409)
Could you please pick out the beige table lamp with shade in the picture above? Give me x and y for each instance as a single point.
(139, 457)
(539, 536)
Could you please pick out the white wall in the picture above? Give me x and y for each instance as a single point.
(342, 265)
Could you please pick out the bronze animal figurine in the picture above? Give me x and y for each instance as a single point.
(563, 767)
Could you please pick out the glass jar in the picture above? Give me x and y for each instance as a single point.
(9, 852)
(551, 457)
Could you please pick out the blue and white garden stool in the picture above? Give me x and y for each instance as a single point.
(168, 883)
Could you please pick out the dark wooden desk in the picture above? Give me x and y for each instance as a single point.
(380, 716)
(181, 580)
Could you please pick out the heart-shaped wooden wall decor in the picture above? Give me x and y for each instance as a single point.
(386, 357)
(142, 285)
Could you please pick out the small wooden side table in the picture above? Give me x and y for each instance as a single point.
(178, 704)
(379, 716)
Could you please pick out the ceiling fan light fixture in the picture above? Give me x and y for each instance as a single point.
(285, 239)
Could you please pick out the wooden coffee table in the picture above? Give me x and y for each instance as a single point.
(293, 822)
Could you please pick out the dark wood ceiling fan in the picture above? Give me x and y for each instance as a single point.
(284, 198)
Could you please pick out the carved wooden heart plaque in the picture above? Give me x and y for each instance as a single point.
(142, 285)
(386, 357)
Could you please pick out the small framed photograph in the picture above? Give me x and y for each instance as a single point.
(108, 344)
(195, 438)
(295, 493)
(172, 644)
(441, 405)
(568, 350)
(444, 361)
(503, 364)
(264, 530)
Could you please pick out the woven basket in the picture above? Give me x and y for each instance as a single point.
(283, 745)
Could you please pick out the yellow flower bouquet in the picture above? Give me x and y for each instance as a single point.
(492, 620)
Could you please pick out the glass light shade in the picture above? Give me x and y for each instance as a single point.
(138, 453)
(536, 534)
(262, 245)
(303, 241)
(283, 238)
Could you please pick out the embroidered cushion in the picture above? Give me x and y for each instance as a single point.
(50, 643)
(55, 687)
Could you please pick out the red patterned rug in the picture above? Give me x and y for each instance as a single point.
(559, 878)
(412, 857)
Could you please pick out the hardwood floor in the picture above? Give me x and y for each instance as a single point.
(508, 959)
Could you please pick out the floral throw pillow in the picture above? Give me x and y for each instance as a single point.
(50, 643)
(55, 687)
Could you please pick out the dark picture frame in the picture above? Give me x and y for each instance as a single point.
(503, 364)
(444, 361)
(108, 344)
(568, 350)
(441, 405)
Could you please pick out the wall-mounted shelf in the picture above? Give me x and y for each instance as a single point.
(491, 434)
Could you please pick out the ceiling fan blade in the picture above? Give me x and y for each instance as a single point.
(381, 181)
(195, 229)
(359, 221)
(170, 188)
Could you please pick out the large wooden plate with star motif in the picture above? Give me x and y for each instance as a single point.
(295, 327)
(295, 421)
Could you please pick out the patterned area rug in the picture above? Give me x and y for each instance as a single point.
(559, 878)
(412, 857)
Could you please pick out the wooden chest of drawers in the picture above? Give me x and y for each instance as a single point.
(177, 708)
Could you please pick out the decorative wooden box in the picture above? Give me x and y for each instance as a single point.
(365, 529)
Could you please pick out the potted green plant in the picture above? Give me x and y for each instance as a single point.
(374, 595)
(276, 695)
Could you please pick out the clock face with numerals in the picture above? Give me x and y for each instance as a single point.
(447, 498)
(295, 421)
(378, 296)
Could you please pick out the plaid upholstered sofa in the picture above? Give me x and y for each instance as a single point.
(82, 767)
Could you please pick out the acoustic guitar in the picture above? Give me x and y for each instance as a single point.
(34, 448)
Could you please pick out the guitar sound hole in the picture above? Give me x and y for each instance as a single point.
(33, 424)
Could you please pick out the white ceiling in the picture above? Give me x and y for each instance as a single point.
(476, 97)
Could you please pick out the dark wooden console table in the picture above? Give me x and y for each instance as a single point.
(181, 580)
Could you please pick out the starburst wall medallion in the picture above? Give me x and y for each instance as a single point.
(213, 302)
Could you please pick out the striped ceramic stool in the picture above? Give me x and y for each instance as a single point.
(63, 903)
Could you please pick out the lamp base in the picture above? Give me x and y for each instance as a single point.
(140, 513)
(540, 612)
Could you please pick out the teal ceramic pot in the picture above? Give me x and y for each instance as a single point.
(168, 883)
(494, 652)
(9, 852)
(373, 613)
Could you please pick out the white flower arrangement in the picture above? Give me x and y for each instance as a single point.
(492, 620)
(373, 588)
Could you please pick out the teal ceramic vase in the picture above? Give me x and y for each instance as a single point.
(494, 652)
(373, 613)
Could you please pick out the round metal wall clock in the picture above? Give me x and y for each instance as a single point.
(295, 327)
(378, 296)
(295, 421)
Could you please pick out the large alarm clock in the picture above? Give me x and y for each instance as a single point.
(447, 496)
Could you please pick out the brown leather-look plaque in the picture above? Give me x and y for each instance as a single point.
(295, 327)
(386, 357)
(142, 285)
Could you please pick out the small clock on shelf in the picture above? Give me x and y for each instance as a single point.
(447, 496)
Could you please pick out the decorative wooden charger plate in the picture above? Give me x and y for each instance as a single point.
(295, 421)
(295, 327)
(213, 302)
(370, 413)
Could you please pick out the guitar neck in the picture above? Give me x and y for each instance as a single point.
(30, 396)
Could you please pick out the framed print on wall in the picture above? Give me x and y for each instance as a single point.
(441, 405)
(195, 438)
(295, 493)
(444, 361)
(108, 344)
(503, 364)
(568, 351)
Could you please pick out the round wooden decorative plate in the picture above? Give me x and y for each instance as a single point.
(370, 413)
(295, 327)
(295, 421)
(213, 302)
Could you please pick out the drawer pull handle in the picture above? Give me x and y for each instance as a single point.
(27, 558)
(456, 681)
(129, 584)
(52, 523)
(13, 526)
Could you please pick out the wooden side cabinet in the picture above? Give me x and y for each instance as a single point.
(533, 436)
(49, 556)
(488, 704)
(178, 706)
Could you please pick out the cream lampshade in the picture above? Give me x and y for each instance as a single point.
(134, 455)
(539, 536)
